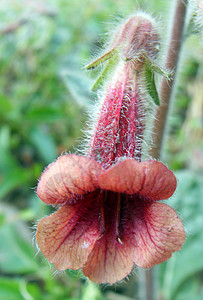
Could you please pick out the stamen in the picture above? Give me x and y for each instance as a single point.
(119, 240)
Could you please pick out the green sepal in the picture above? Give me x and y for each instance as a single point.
(107, 69)
(158, 69)
(101, 59)
(151, 87)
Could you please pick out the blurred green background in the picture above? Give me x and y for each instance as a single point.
(44, 99)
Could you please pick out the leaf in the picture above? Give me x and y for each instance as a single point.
(18, 289)
(5, 105)
(11, 174)
(13, 179)
(10, 289)
(185, 264)
(91, 291)
(44, 144)
(79, 87)
(17, 256)
(43, 114)
(190, 289)
(7, 161)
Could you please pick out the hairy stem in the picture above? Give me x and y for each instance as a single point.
(165, 94)
(166, 87)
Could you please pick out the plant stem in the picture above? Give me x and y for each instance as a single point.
(165, 94)
(166, 87)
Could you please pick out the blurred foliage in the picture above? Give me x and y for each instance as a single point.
(181, 276)
(44, 97)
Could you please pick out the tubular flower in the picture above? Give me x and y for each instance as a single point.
(110, 217)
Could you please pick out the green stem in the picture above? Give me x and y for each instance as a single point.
(165, 94)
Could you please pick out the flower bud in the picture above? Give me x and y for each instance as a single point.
(137, 36)
(118, 131)
(121, 121)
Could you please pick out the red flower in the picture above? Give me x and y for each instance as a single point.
(108, 219)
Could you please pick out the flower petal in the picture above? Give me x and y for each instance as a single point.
(151, 178)
(70, 175)
(67, 236)
(109, 261)
(155, 235)
(159, 182)
(124, 177)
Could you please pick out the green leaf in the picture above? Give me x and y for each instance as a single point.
(185, 264)
(7, 161)
(4, 104)
(190, 289)
(17, 254)
(44, 143)
(13, 179)
(91, 291)
(43, 114)
(18, 289)
(79, 87)
(34, 291)
(10, 289)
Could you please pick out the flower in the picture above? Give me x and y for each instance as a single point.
(108, 219)
(110, 216)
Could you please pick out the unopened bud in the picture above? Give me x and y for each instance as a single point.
(137, 36)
